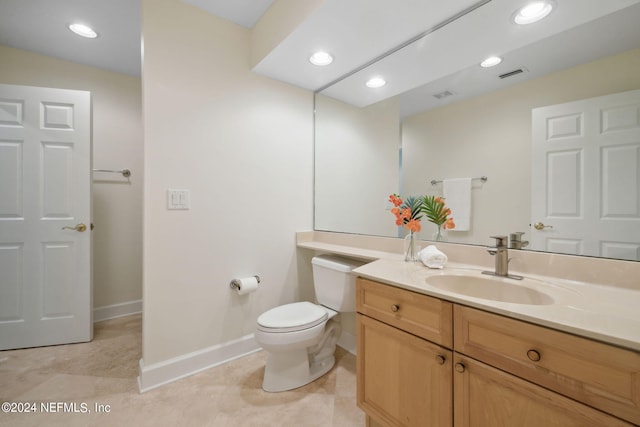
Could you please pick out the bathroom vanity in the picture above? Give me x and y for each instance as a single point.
(455, 347)
(425, 361)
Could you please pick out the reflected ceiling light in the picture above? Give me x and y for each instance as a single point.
(491, 61)
(321, 59)
(376, 82)
(83, 30)
(533, 12)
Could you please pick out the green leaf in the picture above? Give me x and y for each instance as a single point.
(415, 204)
(434, 209)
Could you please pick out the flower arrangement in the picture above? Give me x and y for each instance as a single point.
(437, 212)
(408, 212)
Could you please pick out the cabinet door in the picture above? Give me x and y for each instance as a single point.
(486, 396)
(594, 373)
(403, 380)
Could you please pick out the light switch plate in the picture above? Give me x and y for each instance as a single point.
(178, 199)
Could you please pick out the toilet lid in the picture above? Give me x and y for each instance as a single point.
(292, 317)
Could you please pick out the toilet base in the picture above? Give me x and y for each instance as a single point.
(287, 372)
(291, 369)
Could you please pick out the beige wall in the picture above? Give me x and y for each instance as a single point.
(242, 145)
(491, 135)
(117, 143)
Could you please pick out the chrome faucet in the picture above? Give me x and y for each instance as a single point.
(501, 252)
(516, 242)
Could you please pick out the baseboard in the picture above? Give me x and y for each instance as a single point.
(117, 310)
(158, 374)
(348, 341)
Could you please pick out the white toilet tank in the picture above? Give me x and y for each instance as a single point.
(334, 284)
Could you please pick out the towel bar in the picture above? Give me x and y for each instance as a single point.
(482, 178)
(124, 172)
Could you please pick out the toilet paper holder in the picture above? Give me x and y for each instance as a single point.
(235, 283)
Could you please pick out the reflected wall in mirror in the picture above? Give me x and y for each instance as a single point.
(491, 135)
(485, 135)
(356, 165)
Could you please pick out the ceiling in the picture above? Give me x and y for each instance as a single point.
(40, 26)
(576, 32)
(605, 36)
(355, 32)
(243, 12)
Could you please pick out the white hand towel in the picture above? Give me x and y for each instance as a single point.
(432, 257)
(457, 195)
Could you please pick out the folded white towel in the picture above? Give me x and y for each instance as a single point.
(457, 196)
(432, 257)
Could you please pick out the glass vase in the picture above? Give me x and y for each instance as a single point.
(411, 247)
(440, 235)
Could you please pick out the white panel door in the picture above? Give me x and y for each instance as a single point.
(586, 177)
(45, 200)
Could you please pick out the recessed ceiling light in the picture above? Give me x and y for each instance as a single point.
(491, 61)
(83, 30)
(533, 12)
(321, 58)
(376, 82)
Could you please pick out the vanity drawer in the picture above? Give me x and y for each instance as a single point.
(420, 315)
(601, 375)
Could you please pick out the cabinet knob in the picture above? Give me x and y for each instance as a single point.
(395, 307)
(441, 359)
(533, 355)
(460, 367)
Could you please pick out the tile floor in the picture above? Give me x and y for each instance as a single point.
(104, 372)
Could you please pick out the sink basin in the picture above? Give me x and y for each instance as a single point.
(492, 288)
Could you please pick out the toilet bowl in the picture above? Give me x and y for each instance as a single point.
(294, 335)
(300, 338)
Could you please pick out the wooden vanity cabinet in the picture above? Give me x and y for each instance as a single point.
(597, 374)
(427, 317)
(403, 379)
(502, 372)
(487, 397)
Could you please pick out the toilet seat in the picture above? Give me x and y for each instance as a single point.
(296, 316)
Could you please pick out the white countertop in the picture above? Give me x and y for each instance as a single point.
(349, 251)
(604, 313)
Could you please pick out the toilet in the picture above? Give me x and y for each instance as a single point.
(300, 338)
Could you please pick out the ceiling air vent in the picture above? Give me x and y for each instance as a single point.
(512, 73)
(443, 94)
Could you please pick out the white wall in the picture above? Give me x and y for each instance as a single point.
(242, 145)
(117, 143)
(491, 135)
(356, 166)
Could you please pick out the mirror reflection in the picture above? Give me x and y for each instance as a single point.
(487, 128)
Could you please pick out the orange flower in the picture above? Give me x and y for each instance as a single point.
(397, 201)
(439, 200)
(449, 224)
(414, 226)
(407, 212)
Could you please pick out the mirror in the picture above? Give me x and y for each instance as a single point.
(365, 151)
